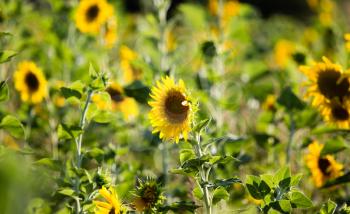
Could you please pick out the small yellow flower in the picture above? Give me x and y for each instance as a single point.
(322, 168)
(111, 203)
(347, 41)
(91, 15)
(270, 103)
(172, 113)
(283, 52)
(130, 71)
(326, 82)
(230, 9)
(30, 82)
(111, 33)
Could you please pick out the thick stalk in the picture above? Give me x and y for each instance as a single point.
(204, 176)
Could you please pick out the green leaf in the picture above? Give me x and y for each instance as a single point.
(6, 56)
(66, 132)
(178, 207)
(197, 192)
(226, 182)
(283, 206)
(138, 91)
(4, 91)
(282, 174)
(208, 50)
(257, 188)
(333, 146)
(66, 191)
(50, 163)
(201, 125)
(289, 100)
(299, 200)
(219, 194)
(296, 179)
(268, 180)
(339, 180)
(217, 159)
(186, 154)
(328, 208)
(69, 92)
(12, 125)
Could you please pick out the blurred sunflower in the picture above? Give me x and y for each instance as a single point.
(120, 103)
(91, 15)
(322, 168)
(111, 205)
(172, 112)
(337, 113)
(148, 196)
(229, 9)
(347, 41)
(111, 33)
(130, 71)
(283, 52)
(30, 82)
(270, 103)
(327, 82)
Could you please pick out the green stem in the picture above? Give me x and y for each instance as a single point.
(165, 161)
(291, 135)
(204, 177)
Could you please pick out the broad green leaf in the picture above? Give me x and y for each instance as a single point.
(296, 179)
(257, 188)
(186, 154)
(208, 51)
(50, 163)
(219, 194)
(339, 180)
(12, 125)
(333, 146)
(299, 200)
(66, 132)
(328, 208)
(178, 207)
(66, 191)
(197, 192)
(138, 91)
(201, 125)
(268, 180)
(289, 100)
(6, 56)
(282, 174)
(283, 206)
(4, 91)
(69, 92)
(226, 182)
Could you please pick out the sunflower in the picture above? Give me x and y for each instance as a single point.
(120, 103)
(328, 82)
(230, 9)
(148, 196)
(172, 112)
(337, 113)
(322, 168)
(30, 82)
(127, 59)
(111, 205)
(91, 15)
(269, 103)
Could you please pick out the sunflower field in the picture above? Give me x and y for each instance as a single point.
(174, 106)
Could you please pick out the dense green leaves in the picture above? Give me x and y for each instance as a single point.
(289, 100)
(12, 125)
(333, 146)
(328, 208)
(138, 90)
(4, 91)
(6, 55)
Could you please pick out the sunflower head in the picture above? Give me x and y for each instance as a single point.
(131, 72)
(322, 168)
(327, 82)
(30, 82)
(148, 195)
(110, 203)
(91, 15)
(337, 113)
(172, 111)
(283, 52)
(270, 103)
(126, 105)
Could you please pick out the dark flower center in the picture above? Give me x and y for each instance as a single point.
(175, 107)
(92, 13)
(149, 195)
(32, 82)
(116, 95)
(340, 113)
(323, 165)
(112, 211)
(329, 86)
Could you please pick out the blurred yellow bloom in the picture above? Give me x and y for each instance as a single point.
(322, 167)
(347, 41)
(172, 113)
(326, 12)
(230, 9)
(111, 203)
(10, 142)
(337, 113)
(111, 33)
(91, 15)
(120, 103)
(30, 82)
(170, 41)
(313, 4)
(270, 103)
(130, 71)
(283, 52)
